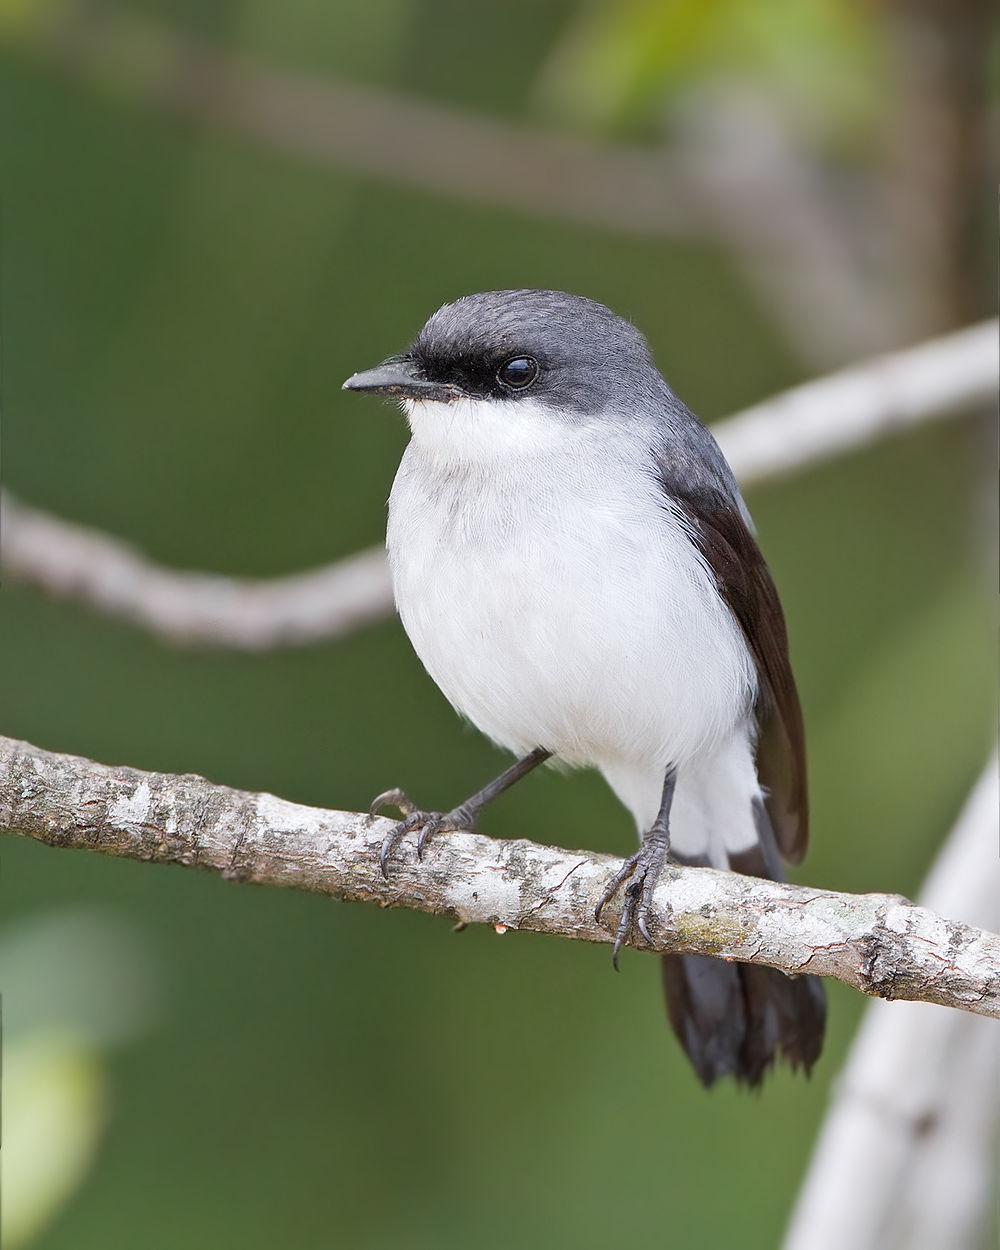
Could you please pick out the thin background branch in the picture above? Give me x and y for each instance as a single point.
(807, 425)
(906, 1159)
(940, 181)
(751, 190)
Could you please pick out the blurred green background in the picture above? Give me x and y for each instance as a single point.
(180, 305)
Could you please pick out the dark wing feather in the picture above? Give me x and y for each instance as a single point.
(744, 581)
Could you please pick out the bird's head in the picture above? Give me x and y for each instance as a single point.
(504, 372)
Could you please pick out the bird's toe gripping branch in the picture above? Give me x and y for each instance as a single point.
(414, 819)
(641, 872)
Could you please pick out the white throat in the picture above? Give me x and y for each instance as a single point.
(478, 431)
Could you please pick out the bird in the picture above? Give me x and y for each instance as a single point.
(574, 565)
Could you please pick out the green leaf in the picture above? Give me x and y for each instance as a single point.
(621, 62)
(618, 57)
(53, 1110)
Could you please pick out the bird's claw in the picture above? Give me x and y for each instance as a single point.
(429, 823)
(396, 798)
(641, 872)
(434, 825)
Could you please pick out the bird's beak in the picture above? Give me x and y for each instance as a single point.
(400, 378)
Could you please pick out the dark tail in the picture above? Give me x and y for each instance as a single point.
(737, 1019)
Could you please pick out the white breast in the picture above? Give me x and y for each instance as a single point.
(555, 597)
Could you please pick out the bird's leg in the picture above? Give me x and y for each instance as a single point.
(462, 817)
(641, 871)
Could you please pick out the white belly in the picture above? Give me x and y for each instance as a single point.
(557, 605)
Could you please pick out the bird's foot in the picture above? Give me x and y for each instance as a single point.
(640, 872)
(428, 823)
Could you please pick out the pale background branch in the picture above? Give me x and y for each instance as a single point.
(845, 411)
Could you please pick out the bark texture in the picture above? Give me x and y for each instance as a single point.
(880, 944)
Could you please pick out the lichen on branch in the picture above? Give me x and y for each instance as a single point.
(880, 944)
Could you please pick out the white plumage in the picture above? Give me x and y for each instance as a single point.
(556, 598)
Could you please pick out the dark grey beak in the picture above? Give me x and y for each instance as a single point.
(401, 378)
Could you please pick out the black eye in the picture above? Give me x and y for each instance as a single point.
(518, 373)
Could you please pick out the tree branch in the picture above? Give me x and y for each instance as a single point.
(787, 241)
(807, 425)
(189, 608)
(399, 138)
(816, 280)
(940, 166)
(880, 944)
(857, 406)
(915, 1112)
